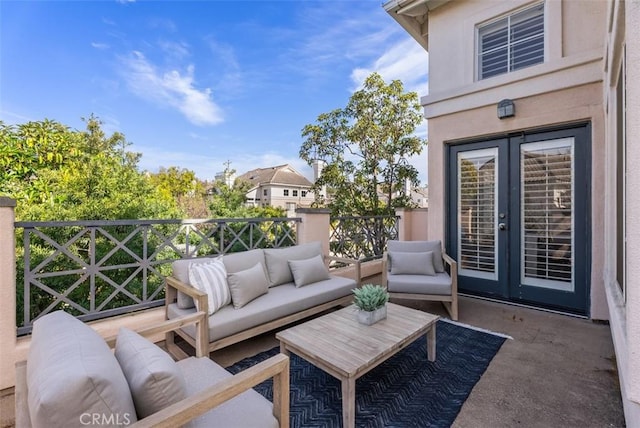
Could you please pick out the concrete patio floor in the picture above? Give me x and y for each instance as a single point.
(558, 371)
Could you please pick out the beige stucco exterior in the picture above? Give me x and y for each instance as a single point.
(565, 89)
(586, 44)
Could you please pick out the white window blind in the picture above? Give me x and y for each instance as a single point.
(547, 187)
(511, 43)
(477, 181)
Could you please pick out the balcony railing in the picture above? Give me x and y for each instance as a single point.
(97, 269)
(364, 238)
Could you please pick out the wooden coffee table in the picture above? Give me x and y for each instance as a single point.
(346, 349)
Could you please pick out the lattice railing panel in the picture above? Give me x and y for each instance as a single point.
(96, 269)
(363, 238)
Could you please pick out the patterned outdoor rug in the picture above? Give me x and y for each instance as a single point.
(405, 391)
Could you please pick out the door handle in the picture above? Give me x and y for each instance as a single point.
(502, 226)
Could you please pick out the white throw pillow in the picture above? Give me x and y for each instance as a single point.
(211, 278)
(412, 263)
(155, 380)
(247, 285)
(308, 271)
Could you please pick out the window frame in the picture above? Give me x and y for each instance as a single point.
(285, 192)
(478, 54)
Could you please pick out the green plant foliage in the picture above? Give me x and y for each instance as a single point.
(365, 148)
(370, 297)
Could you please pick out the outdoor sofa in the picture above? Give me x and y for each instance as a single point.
(73, 379)
(251, 292)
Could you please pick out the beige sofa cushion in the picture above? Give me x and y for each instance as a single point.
(279, 302)
(72, 373)
(154, 379)
(277, 260)
(308, 271)
(412, 263)
(236, 262)
(247, 285)
(418, 247)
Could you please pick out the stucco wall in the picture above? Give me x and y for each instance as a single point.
(573, 27)
(624, 307)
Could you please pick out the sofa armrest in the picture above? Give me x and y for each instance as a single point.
(199, 319)
(348, 261)
(276, 367)
(174, 285)
(384, 272)
(453, 272)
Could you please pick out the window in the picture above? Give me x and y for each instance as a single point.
(295, 193)
(264, 192)
(285, 192)
(511, 43)
(304, 193)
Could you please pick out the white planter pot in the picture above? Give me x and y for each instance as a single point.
(372, 317)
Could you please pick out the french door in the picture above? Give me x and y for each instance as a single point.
(519, 217)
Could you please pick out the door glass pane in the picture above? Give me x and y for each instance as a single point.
(477, 181)
(547, 189)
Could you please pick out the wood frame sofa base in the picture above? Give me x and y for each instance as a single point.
(173, 285)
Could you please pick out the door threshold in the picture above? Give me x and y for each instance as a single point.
(522, 305)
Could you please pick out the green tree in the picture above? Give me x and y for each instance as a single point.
(28, 152)
(59, 174)
(229, 201)
(365, 147)
(184, 187)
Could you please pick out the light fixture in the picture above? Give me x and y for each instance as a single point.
(506, 108)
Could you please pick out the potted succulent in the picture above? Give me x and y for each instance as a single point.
(371, 300)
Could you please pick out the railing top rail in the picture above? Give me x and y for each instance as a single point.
(365, 217)
(89, 223)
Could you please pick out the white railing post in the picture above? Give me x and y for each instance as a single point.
(7, 292)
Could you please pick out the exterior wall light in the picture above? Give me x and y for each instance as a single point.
(506, 108)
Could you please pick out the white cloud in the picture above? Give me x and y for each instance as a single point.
(406, 61)
(177, 50)
(171, 89)
(101, 46)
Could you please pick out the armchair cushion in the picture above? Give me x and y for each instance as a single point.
(412, 263)
(71, 372)
(211, 278)
(247, 285)
(308, 271)
(247, 410)
(439, 284)
(418, 247)
(154, 378)
(276, 260)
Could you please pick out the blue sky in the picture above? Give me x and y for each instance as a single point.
(196, 83)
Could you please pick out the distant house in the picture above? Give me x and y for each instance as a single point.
(278, 186)
(420, 196)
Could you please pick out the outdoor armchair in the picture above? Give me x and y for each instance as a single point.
(421, 270)
(72, 379)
